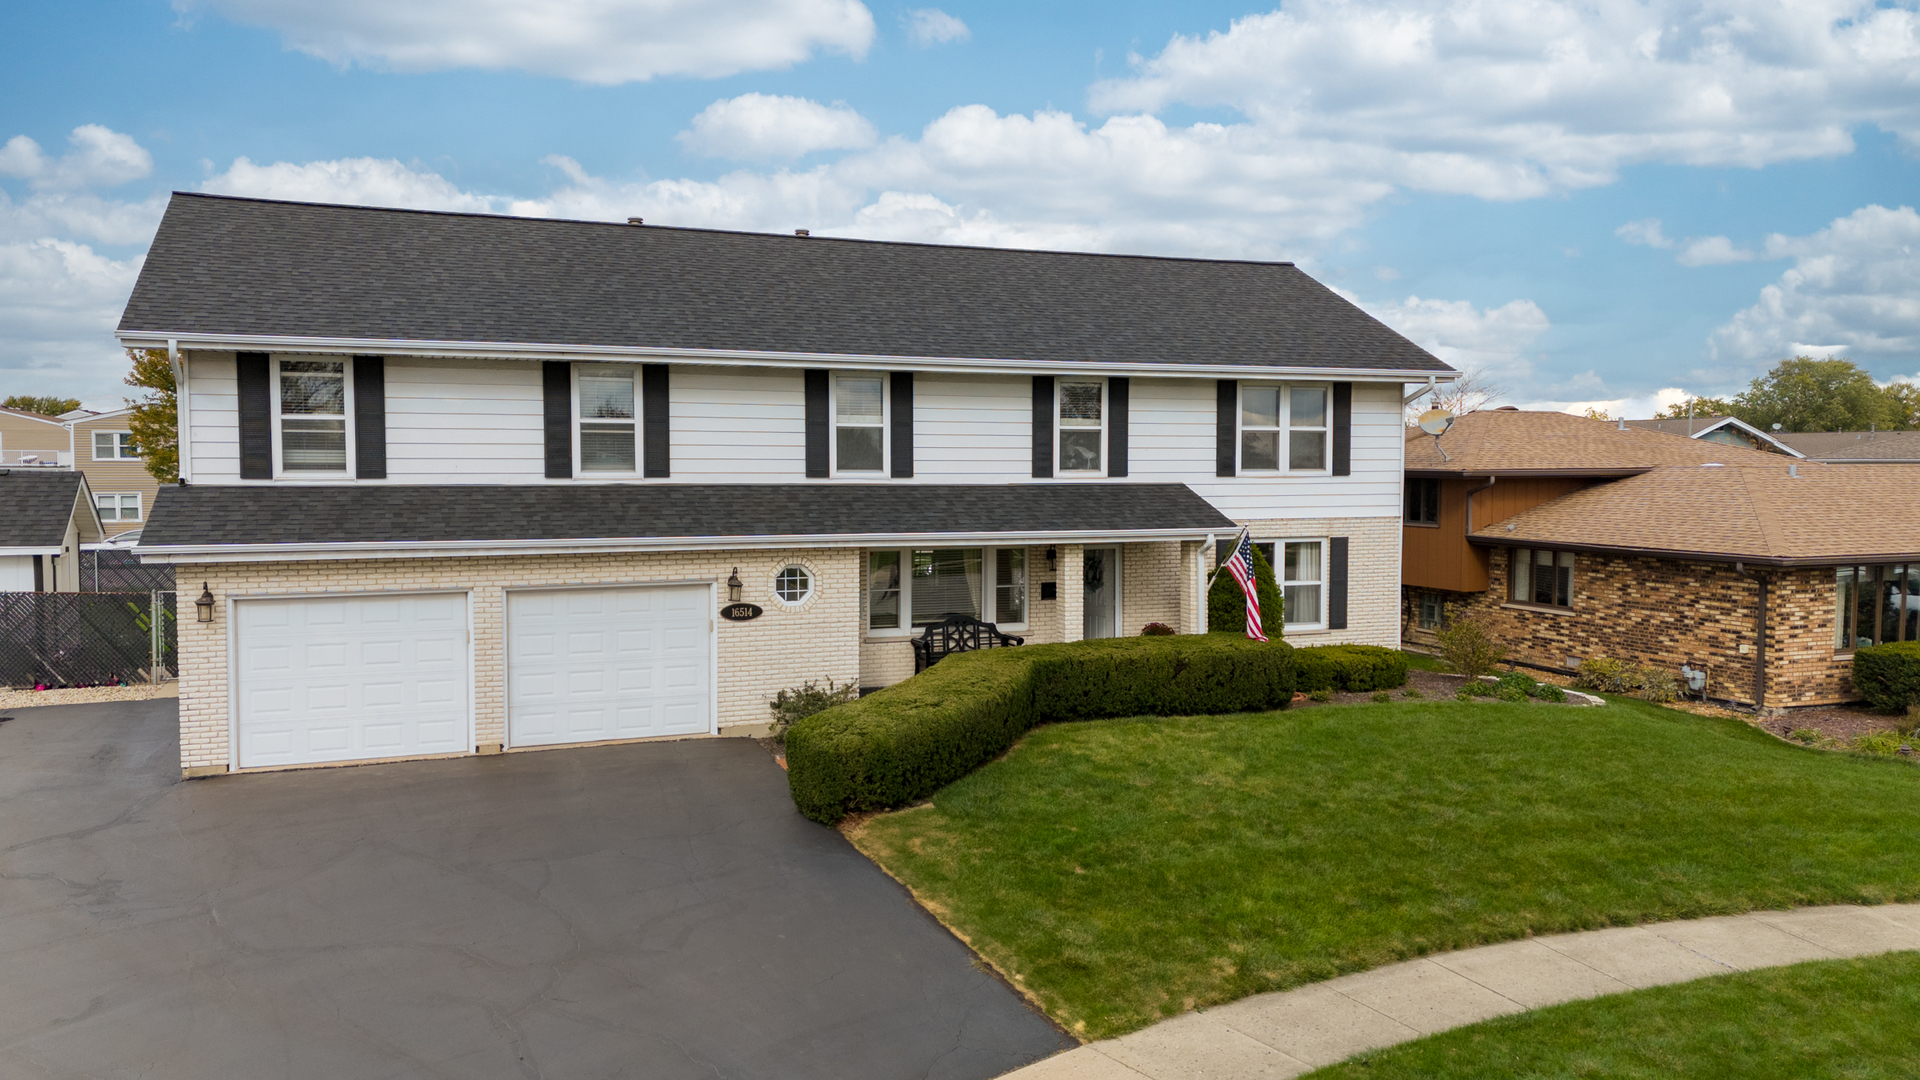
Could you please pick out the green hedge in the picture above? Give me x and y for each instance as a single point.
(1354, 668)
(1888, 676)
(903, 743)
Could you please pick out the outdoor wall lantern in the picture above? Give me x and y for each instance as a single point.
(733, 586)
(205, 604)
(1051, 556)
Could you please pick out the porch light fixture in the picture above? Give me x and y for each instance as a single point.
(1051, 556)
(733, 586)
(204, 605)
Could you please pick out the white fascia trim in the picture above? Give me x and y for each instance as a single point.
(223, 553)
(482, 350)
(54, 550)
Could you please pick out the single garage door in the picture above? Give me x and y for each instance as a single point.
(345, 678)
(586, 665)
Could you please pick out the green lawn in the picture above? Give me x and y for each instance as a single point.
(1127, 870)
(1830, 1018)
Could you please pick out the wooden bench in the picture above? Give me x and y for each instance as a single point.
(957, 633)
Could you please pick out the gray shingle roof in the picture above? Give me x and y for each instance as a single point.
(38, 506)
(374, 514)
(250, 267)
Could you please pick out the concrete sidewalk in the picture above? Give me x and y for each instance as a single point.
(1271, 1036)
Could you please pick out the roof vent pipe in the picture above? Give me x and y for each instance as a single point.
(1623, 423)
(802, 232)
(636, 221)
(1793, 469)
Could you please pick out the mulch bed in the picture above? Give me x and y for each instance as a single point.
(1844, 722)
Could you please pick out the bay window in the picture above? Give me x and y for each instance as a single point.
(908, 589)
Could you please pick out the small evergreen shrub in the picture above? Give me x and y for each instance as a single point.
(903, 743)
(1888, 676)
(1227, 605)
(1356, 669)
(800, 702)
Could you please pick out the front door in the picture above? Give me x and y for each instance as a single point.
(1101, 614)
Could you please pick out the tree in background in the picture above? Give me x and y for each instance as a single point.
(1227, 605)
(45, 406)
(1905, 398)
(1472, 391)
(1698, 408)
(1804, 394)
(155, 418)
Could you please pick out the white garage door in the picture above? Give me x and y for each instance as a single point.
(584, 665)
(351, 677)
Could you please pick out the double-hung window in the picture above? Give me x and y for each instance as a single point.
(1300, 581)
(1541, 577)
(313, 416)
(1283, 428)
(1082, 425)
(860, 425)
(114, 446)
(607, 399)
(912, 588)
(118, 507)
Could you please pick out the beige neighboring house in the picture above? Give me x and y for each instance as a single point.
(123, 490)
(29, 439)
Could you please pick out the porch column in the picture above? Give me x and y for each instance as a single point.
(1073, 592)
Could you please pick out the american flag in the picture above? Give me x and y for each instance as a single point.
(1240, 565)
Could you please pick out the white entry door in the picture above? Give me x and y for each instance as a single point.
(586, 665)
(345, 678)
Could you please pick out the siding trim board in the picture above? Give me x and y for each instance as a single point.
(253, 379)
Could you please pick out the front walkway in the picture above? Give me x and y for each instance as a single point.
(1271, 1036)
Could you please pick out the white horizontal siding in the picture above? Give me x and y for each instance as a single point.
(464, 422)
(972, 429)
(213, 413)
(737, 425)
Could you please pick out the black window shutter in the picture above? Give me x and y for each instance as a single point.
(1226, 429)
(1343, 429)
(556, 394)
(817, 426)
(1116, 427)
(254, 381)
(1337, 583)
(900, 386)
(656, 437)
(1042, 425)
(370, 417)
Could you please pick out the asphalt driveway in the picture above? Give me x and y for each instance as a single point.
(653, 911)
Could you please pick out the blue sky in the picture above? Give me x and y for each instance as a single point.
(1605, 202)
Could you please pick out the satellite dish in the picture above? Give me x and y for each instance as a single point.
(1435, 422)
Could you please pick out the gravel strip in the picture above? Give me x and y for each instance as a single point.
(26, 699)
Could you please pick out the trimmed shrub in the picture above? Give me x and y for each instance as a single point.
(1156, 629)
(904, 743)
(1610, 676)
(1227, 605)
(1888, 676)
(1353, 668)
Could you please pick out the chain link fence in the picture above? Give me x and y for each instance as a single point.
(86, 639)
(120, 570)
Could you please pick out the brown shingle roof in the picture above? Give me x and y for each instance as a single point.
(1855, 445)
(1758, 513)
(1520, 443)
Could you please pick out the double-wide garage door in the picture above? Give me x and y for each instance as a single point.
(350, 678)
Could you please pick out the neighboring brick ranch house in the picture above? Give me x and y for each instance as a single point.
(1571, 538)
(459, 484)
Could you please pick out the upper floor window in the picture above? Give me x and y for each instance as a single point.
(118, 507)
(114, 446)
(859, 424)
(606, 417)
(1541, 577)
(1283, 428)
(1083, 425)
(313, 416)
(1423, 502)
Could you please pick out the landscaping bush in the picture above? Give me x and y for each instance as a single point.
(1156, 629)
(1610, 676)
(905, 742)
(1529, 687)
(1888, 676)
(796, 704)
(1353, 668)
(1227, 605)
(1467, 649)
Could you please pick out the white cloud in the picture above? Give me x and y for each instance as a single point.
(1495, 340)
(59, 302)
(605, 42)
(81, 215)
(1519, 98)
(363, 181)
(1712, 251)
(1631, 407)
(927, 27)
(763, 126)
(1645, 233)
(101, 157)
(1853, 290)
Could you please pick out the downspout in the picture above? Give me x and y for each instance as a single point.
(1433, 385)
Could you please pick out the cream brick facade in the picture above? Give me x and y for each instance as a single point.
(785, 647)
(1373, 576)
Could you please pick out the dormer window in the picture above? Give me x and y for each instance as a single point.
(313, 416)
(606, 417)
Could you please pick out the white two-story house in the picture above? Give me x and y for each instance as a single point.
(456, 484)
